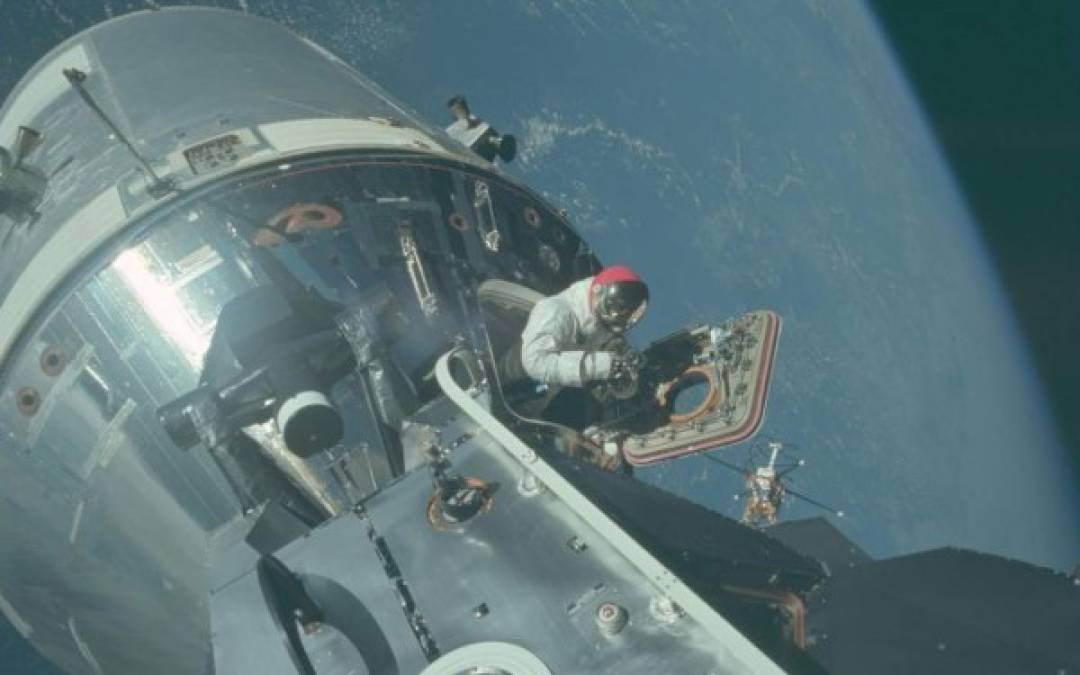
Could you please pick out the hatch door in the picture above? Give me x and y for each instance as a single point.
(709, 384)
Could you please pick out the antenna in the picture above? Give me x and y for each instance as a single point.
(159, 186)
(774, 451)
(728, 465)
(814, 502)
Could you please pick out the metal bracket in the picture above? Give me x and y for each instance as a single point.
(429, 302)
(157, 186)
(485, 217)
(21, 187)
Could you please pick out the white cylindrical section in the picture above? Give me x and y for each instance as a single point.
(488, 657)
(298, 402)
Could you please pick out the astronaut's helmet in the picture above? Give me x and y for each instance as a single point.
(618, 298)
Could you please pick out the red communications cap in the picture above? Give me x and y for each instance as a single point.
(610, 274)
(616, 273)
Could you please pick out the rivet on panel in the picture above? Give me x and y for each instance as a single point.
(665, 609)
(577, 545)
(611, 618)
(530, 486)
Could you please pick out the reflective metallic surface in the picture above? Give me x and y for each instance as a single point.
(134, 336)
(266, 82)
(105, 518)
(522, 544)
(390, 565)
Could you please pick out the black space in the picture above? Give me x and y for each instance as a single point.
(1000, 83)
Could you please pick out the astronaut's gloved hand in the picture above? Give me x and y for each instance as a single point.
(624, 377)
(616, 373)
(628, 359)
(597, 366)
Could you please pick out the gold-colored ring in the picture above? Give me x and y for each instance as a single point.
(297, 218)
(711, 399)
(440, 523)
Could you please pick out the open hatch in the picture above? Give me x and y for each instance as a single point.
(709, 386)
(701, 388)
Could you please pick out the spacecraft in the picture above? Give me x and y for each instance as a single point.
(250, 422)
(765, 474)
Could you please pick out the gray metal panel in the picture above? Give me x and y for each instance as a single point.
(364, 630)
(740, 655)
(95, 550)
(528, 572)
(509, 575)
(540, 593)
(340, 556)
(113, 555)
(245, 635)
(230, 557)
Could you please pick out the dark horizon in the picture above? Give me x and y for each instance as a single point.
(998, 84)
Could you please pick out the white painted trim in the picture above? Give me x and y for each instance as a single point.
(83, 647)
(108, 442)
(47, 85)
(739, 652)
(288, 137)
(16, 620)
(76, 521)
(73, 242)
(298, 402)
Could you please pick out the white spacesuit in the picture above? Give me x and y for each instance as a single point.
(565, 341)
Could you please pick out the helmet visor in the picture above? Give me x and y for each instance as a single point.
(621, 305)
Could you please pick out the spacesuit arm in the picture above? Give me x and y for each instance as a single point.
(544, 357)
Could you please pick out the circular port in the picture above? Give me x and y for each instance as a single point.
(52, 361)
(458, 222)
(456, 501)
(28, 401)
(691, 395)
(532, 217)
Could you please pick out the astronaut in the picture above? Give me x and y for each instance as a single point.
(575, 337)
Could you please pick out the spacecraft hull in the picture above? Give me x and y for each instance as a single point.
(104, 533)
(184, 154)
